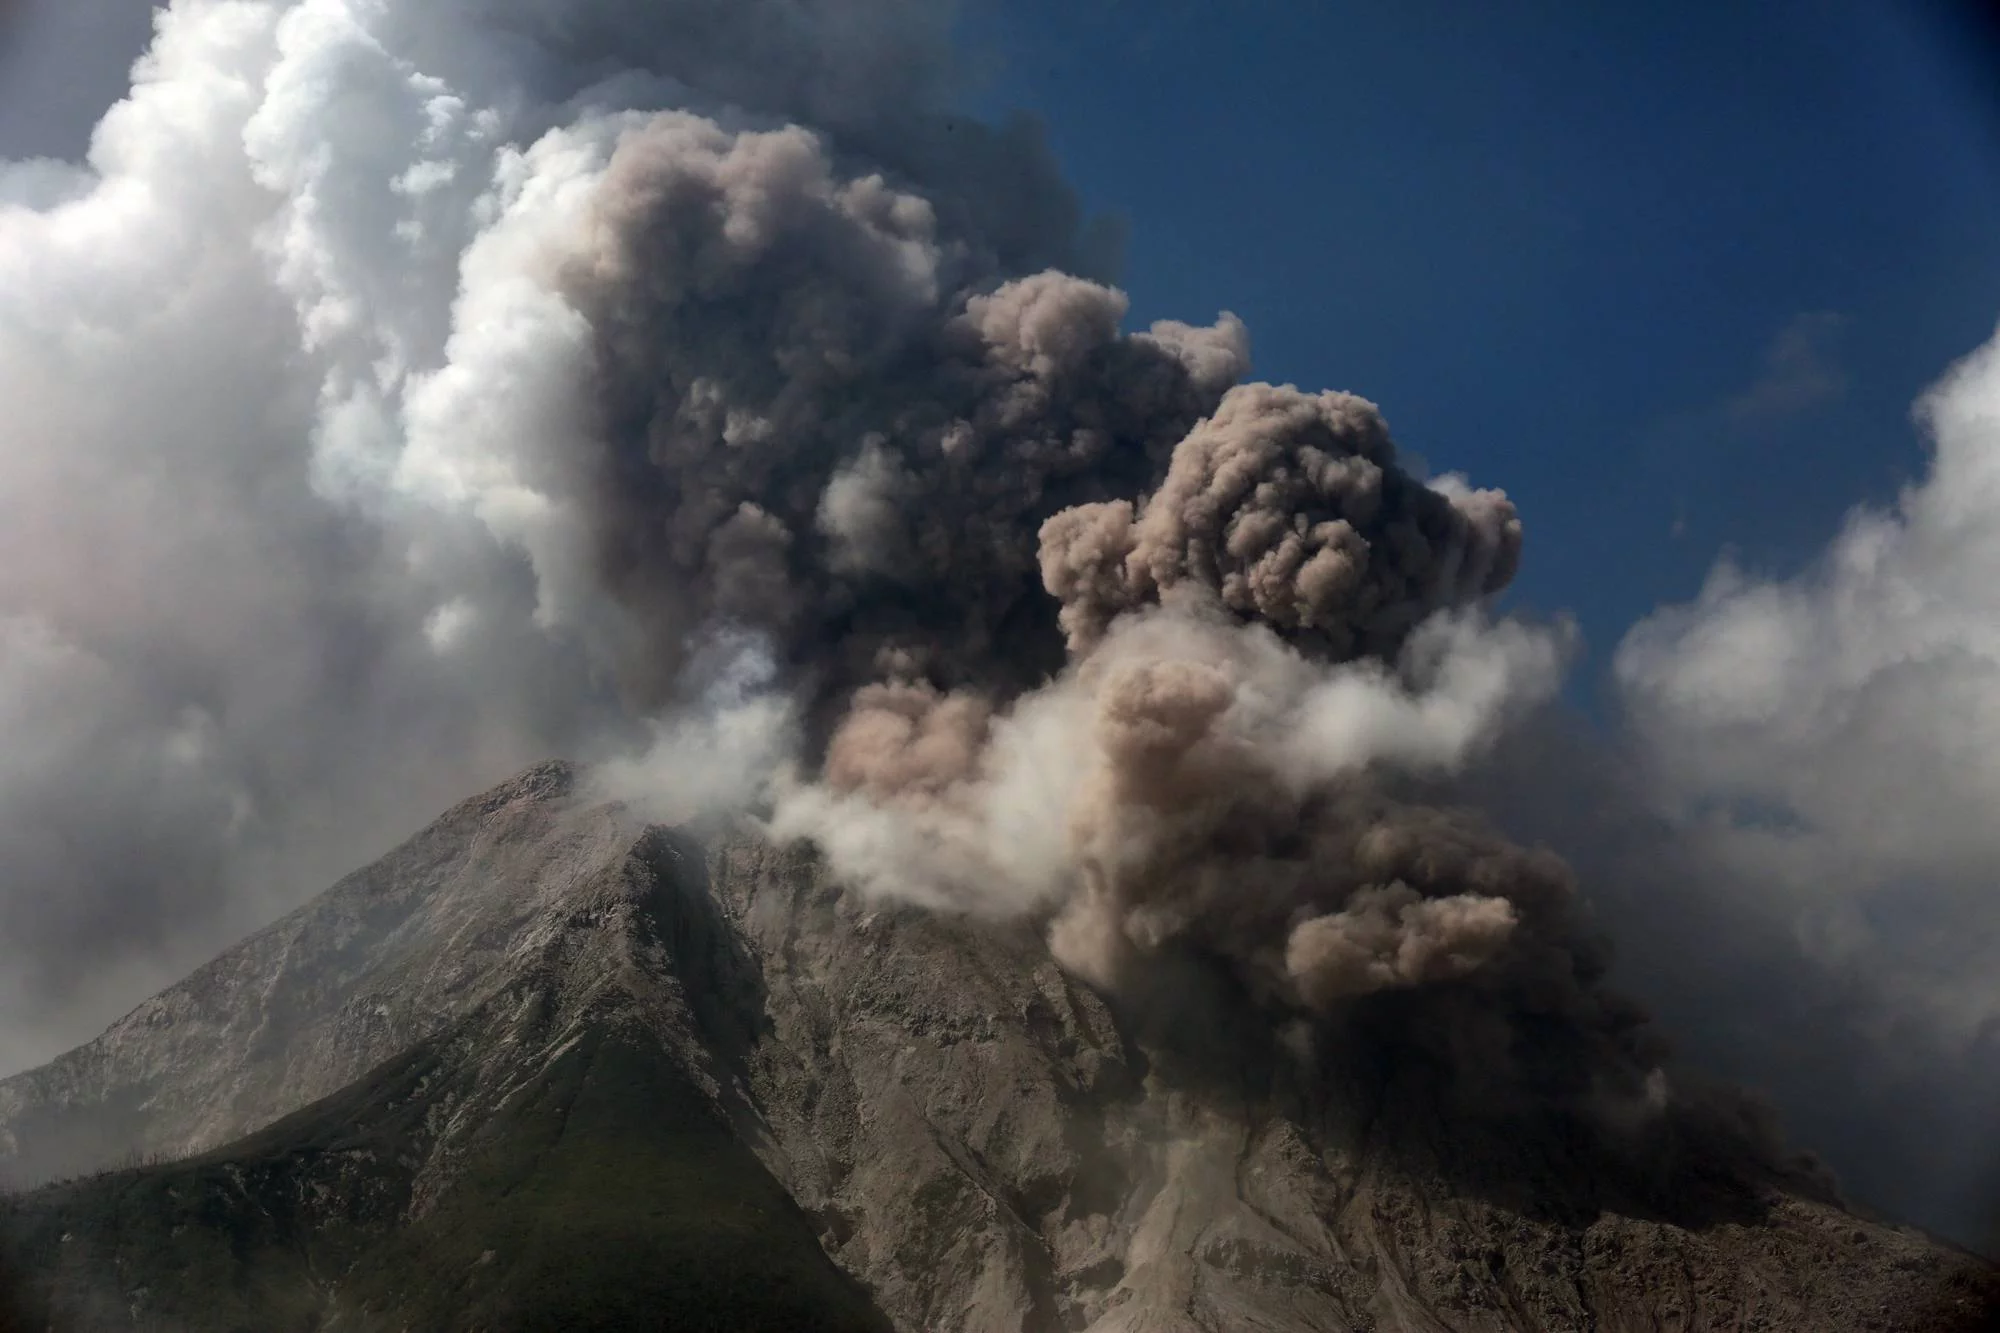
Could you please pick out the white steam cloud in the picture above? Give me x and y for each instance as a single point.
(1835, 737)
(277, 574)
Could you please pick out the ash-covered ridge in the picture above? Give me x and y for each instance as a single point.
(384, 959)
(978, 1138)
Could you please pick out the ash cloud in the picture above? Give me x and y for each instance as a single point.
(1291, 509)
(822, 415)
(1074, 622)
(687, 386)
(403, 392)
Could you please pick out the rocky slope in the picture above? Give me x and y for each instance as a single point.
(552, 1159)
(384, 959)
(976, 1139)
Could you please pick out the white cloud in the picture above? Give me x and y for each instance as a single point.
(277, 579)
(1835, 736)
(1801, 371)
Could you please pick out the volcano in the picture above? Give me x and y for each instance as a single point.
(548, 1065)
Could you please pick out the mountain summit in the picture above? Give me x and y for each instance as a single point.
(546, 1065)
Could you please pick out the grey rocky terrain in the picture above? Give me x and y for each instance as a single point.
(979, 1141)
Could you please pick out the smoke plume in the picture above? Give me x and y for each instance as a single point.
(692, 388)
(402, 392)
(1197, 781)
(1291, 510)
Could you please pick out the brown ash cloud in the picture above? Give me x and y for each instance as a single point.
(1082, 626)
(1290, 507)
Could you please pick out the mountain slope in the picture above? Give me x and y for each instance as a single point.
(386, 958)
(551, 1160)
(991, 1148)
(631, 1070)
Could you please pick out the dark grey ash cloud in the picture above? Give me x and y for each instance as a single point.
(819, 414)
(823, 415)
(497, 363)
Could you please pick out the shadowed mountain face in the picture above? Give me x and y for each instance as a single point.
(546, 1067)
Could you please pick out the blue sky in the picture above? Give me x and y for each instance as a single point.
(1669, 274)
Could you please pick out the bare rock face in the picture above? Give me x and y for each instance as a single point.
(384, 959)
(988, 1147)
(980, 1140)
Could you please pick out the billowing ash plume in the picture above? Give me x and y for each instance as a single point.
(817, 413)
(1196, 782)
(1291, 509)
(405, 391)
(823, 416)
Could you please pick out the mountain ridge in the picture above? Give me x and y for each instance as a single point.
(973, 1137)
(424, 879)
(550, 1159)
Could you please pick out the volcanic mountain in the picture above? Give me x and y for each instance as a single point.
(546, 1065)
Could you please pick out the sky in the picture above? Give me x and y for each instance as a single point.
(60, 67)
(1673, 271)
(292, 554)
